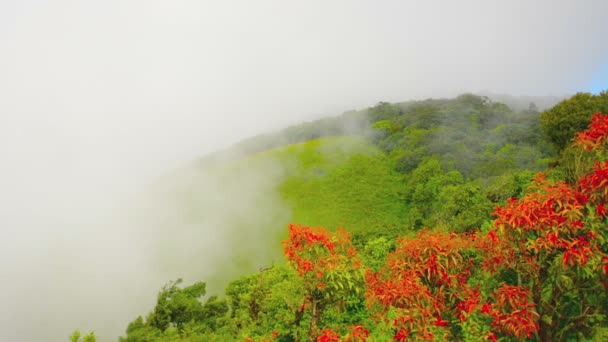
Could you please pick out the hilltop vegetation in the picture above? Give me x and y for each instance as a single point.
(396, 171)
(561, 122)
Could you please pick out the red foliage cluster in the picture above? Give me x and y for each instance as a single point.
(425, 279)
(594, 186)
(548, 220)
(302, 238)
(357, 334)
(596, 135)
(553, 221)
(547, 207)
(513, 311)
(313, 251)
(498, 252)
(468, 305)
(327, 264)
(328, 335)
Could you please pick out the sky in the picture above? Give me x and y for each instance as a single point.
(99, 98)
(599, 80)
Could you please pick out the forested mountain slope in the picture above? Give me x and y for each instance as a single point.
(385, 170)
(381, 173)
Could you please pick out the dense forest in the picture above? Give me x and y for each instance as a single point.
(447, 219)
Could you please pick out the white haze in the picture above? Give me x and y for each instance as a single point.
(99, 98)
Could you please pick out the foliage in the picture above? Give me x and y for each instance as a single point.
(89, 337)
(266, 304)
(594, 138)
(572, 115)
(477, 137)
(329, 268)
(375, 252)
(362, 180)
(554, 239)
(179, 314)
(424, 280)
(537, 270)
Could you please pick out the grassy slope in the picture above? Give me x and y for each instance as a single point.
(341, 182)
(230, 217)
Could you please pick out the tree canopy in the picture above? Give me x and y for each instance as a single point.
(572, 115)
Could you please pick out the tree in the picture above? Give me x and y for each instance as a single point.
(90, 337)
(383, 111)
(178, 314)
(532, 108)
(463, 207)
(176, 306)
(266, 303)
(329, 267)
(553, 239)
(428, 290)
(561, 122)
(424, 186)
(422, 282)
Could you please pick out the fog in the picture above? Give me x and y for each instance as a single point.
(99, 99)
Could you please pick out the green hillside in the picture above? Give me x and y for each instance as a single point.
(342, 182)
(383, 171)
(443, 164)
(244, 204)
